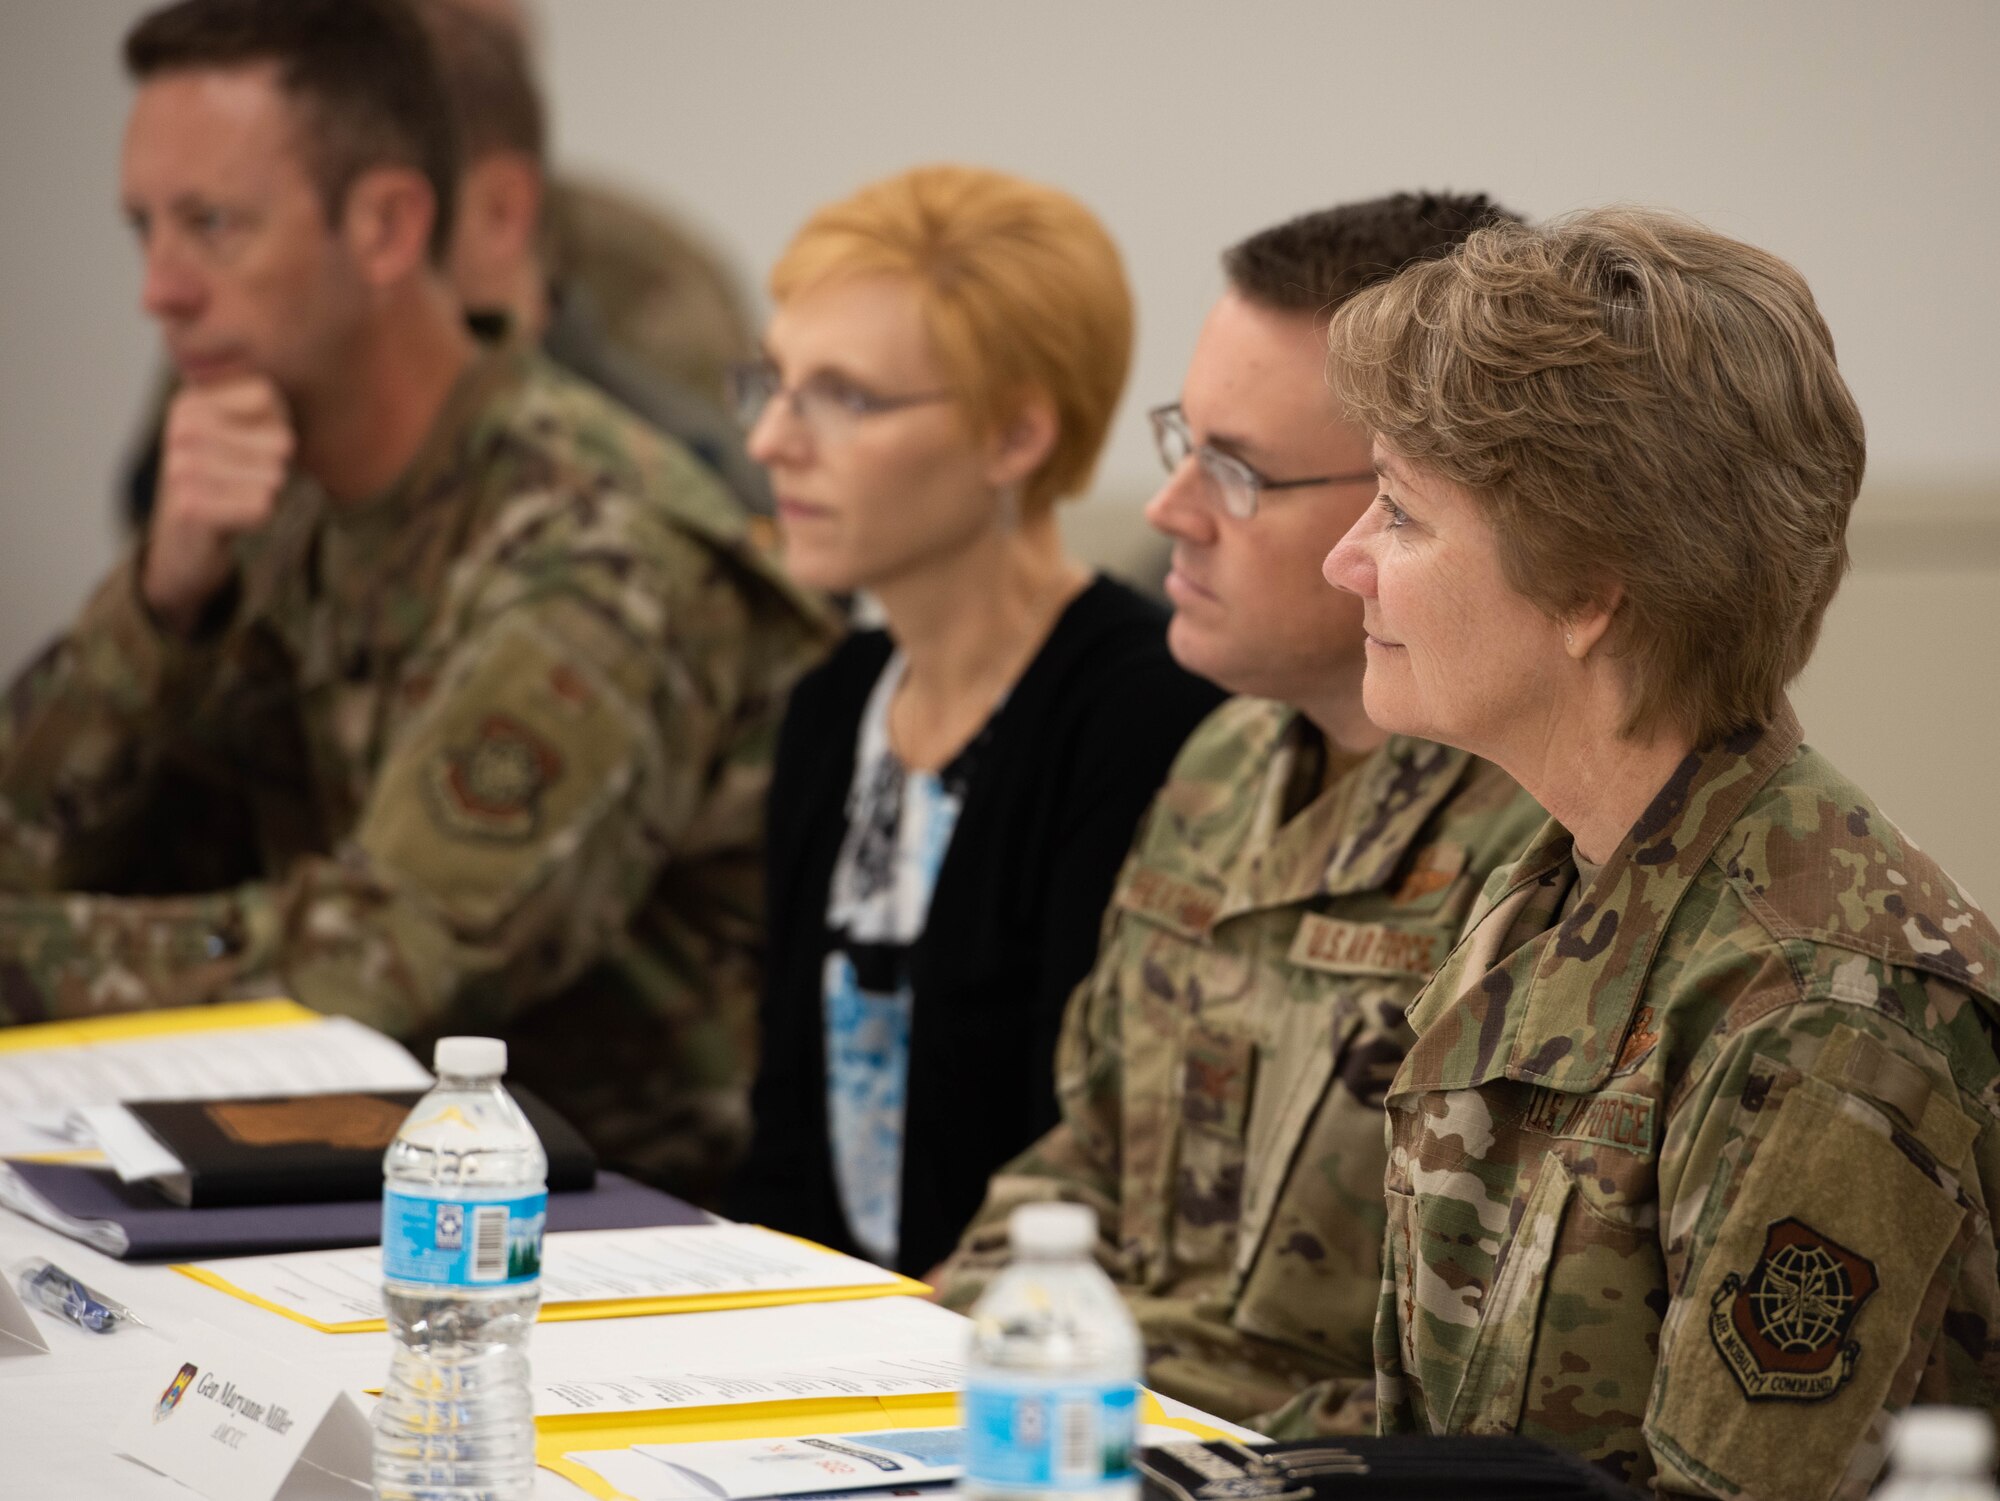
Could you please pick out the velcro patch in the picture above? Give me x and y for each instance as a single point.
(1179, 905)
(490, 786)
(1435, 867)
(1215, 1080)
(1609, 1119)
(1782, 1328)
(1356, 948)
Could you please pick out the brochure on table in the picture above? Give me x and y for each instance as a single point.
(586, 1274)
(603, 1457)
(821, 1463)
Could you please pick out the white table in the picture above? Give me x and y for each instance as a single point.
(59, 1411)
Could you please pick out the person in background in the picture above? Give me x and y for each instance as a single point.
(1293, 885)
(953, 793)
(1694, 1161)
(501, 244)
(475, 675)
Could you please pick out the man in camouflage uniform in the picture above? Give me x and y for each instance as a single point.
(1294, 883)
(613, 289)
(1696, 1176)
(451, 682)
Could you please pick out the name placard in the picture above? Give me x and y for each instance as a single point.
(18, 1334)
(232, 1425)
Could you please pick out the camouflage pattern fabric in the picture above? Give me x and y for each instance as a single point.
(1221, 1069)
(1692, 1172)
(486, 754)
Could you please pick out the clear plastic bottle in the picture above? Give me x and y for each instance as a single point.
(463, 1205)
(1940, 1454)
(1051, 1389)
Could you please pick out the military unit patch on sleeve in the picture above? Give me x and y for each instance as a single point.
(1783, 1328)
(491, 786)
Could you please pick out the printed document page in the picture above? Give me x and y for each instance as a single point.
(673, 1263)
(722, 1385)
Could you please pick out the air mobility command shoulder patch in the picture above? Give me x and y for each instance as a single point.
(491, 786)
(1783, 1329)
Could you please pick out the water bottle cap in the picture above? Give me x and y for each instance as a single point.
(1052, 1229)
(470, 1057)
(1942, 1440)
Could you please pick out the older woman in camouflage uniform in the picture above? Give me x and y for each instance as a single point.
(1692, 1164)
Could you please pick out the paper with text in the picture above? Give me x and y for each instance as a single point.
(585, 1274)
(224, 1420)
(40, 1086)
(722, 1385)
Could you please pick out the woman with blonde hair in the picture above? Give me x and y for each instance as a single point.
(1694, 1161)
(953, 793)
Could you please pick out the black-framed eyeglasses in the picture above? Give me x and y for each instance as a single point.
(827, 405)
(1239, 484)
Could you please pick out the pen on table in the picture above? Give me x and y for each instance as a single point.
(47, 1286)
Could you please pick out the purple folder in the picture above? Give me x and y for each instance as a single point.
(157, 1230)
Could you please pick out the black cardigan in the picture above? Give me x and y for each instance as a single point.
(1076, 753)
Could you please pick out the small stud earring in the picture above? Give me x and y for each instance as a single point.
(1569, 640)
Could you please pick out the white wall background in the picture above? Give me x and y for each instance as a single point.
(1860, 140)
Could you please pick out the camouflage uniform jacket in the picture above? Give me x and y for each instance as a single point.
(1692, 1172)
(1221, 1069)
(496, 744)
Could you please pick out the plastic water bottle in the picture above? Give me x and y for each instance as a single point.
(1940, 1454)
(1052, 1386)
(463, 1204)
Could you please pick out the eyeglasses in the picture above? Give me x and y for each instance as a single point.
(827, 405)
(1239, 484)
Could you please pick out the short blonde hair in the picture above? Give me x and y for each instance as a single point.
(1022, 291)
(1639, 402)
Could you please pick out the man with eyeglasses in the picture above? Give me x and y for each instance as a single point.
(1296, 880)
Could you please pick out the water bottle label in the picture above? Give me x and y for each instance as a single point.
(1039, 1436)
(462, 1242)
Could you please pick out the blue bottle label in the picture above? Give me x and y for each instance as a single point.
(462, 1242)
(1041, 1435)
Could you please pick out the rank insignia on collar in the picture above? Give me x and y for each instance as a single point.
(1434, 868)
(1783, 1329)
(491, 786)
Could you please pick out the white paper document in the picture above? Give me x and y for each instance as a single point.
(723, 1385)
(107, 1236)
(579, 1266)
(40, 1088)
(135, 1153)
